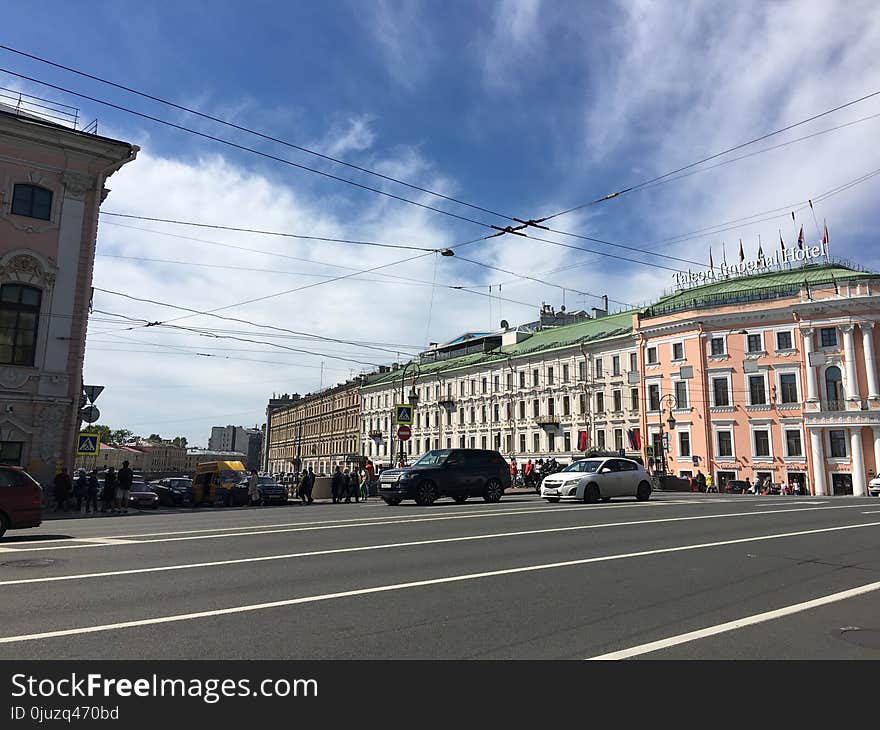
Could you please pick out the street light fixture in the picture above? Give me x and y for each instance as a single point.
(670, 424)
(413, 400)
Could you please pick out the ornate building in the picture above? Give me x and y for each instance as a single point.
(51, 186)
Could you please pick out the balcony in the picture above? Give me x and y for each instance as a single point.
(447, 403)
(546, 421)
(376, 434)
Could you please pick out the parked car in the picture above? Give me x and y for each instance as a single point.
(271, 492)
(456, 473)
(174, 491)
(874, 487)
(589, 480)
(21, 500)
(737, 486)
(141, 495)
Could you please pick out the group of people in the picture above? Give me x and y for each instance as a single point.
(345, 484)
(86, 489)
(532, 474)
(702, 483)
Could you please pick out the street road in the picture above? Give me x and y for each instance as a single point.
(682, 576)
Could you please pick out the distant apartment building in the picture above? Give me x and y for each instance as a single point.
(194, 457)
(248, 441)
(51, 187)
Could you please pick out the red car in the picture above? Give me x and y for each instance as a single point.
(21, 499)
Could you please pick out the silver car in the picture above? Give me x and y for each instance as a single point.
(591, 480)
(874, 487)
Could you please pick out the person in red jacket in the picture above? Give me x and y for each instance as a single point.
(528, 473)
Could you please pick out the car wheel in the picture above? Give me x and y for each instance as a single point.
(552, 500)
(460, 498)
(4, 524)
(643, 493)
(392, 501)
(426, 493)
(493, 491)
(591, 494)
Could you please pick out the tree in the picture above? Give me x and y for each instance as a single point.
(154, 437)
(121, 436)
(179, 441)
(105, 432)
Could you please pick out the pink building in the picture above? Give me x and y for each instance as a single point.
(772, 374)
(51, 186)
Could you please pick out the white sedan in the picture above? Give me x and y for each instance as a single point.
(874, 487)
(590, 480)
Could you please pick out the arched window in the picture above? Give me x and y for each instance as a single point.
(32, 201)
(833, 384)
(19, 316)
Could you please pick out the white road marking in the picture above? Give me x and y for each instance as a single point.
(738, 623)
(874, 512)
(412, 584)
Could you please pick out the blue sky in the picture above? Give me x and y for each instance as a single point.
(525, 108)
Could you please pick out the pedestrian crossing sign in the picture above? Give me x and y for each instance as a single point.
(403, 414)
(88, 444)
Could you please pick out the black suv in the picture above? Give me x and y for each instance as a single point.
(456, 473)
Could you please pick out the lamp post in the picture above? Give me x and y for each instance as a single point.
(670, 423)
(413, 401)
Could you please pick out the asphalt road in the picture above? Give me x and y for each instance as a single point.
(682, 576)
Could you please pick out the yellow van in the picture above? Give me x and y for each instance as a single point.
(214, 482)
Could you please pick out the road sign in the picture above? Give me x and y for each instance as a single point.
(404, 432)
(696, 460)
(90, 414)
(88, 444)
(621, 453)
(403, 415)
(92, 392)
(649, 450)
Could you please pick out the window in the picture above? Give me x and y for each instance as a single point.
(757, 391)
(783, 341)
(654, 397)
(618, 438)
(762, 442)
(684, 443)
(551, 406)
(508, 412)
(473, 415)
(549, 376)
(536, 378)
(482, 414)
(634, 399)
(566, 441)
(582, 401)
(652, 355)
(536, 408)
(838, 444)
(536, 442)
(582, 371)
(10, 453)
(522, 378)
(793, 445)
(473, 442)
(753, 343)
(615, 365)
(482, 442)
(788, 388)
(522, 442)
(32, 201)
(600, 440)
(565, 373)
(473, 387)
(681, 394)
(725, 443)
(828, 336)
(461, 388)
(522, 409)
(551, 442)
(566, 407)
(598, 367)
(633, 362)
(678, 351)
(498, 440)
(485, 385)
(716, 345)
(509, 385)
(461, 442)
(461, 415)
(617, 397)
(720, 392)
(600, 402)
(833, 388)
(496, 413)
(496, 383)
(19, 315)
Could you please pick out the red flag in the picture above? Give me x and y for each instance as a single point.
(742, 255)
(637, 439)
(583, 440)
(801, 239)
(825, 235)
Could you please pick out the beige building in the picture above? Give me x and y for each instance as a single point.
(194, 457)
(51, 186)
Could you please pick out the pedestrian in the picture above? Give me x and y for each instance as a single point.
(253, 488)
(528, 473)
(109, 493)
(797, 488)
(710, 484)
(62, 488)
(701, 481)
(513, 470)
(310, 482)
(81, 489)
(365, 485)
(346, 486)
(123, 488)
(749, 487)
(92, 493)
(354, 485)
(336, 485)
(371, 470)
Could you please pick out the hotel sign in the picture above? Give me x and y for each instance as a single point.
(753, 266)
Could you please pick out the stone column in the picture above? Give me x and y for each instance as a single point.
(818, 460)
(870, 361)
(857, 458)
(849, 354)
(812, 384)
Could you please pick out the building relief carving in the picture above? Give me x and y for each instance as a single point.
(76, 186)
(26, 268)
(13, 378)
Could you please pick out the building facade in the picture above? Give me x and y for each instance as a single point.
(51, 186)
(320, 430)
(238, 438)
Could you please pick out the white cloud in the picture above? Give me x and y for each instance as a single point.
(404, 38)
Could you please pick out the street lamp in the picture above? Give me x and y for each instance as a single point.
(413, 400)
(670, 424)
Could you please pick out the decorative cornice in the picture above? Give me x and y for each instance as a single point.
(26, 268)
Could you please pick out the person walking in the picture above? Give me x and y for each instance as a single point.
(123, 488)
(710, 484)
(701, 481)
(365, 486)
(346, 486)
(253, 489)
(354, 485)
(92, 493)
(109, 490)
(513, 470)
(528, 473)
(81, 489)
(336, 485)
(310, 482)
(62, 488)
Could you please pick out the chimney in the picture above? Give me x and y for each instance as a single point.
(605, 303)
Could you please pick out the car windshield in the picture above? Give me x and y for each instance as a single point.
(433, 457)
(588, 465)
(178, 483)
(232, 476)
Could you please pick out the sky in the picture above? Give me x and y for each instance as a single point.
(524, 108)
